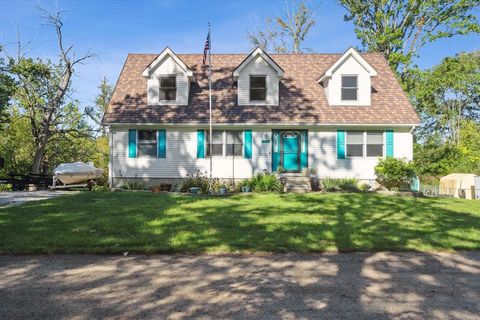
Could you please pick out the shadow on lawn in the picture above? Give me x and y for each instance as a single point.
(117, 222)
(363, 285)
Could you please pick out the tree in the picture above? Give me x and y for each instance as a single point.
(101, 102)
(43, 92)
(447, 95)
(7, 88)
(282, 32)
(398, 28)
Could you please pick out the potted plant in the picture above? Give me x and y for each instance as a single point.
(194, 190)
(223, 190)
(246, 188)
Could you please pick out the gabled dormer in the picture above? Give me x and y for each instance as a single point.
(348, 81)
(168, 80)
(258, 79)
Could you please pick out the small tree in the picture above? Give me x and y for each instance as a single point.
(394, 174)
(279, 33)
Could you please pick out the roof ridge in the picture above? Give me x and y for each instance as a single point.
(272, 54)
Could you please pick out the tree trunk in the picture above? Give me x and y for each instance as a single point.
(40, 153)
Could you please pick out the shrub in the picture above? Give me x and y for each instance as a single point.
(263, 182)
(6, 187)
(98, 188)
(196, 180)
(346, 184)
(394, 174)
(365, 187)
(134, 185)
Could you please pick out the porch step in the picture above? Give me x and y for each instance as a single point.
(297, 184)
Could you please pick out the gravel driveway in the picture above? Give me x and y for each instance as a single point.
(279, 286)
(19, 197)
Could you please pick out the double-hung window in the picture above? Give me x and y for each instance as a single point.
(234, 143)
(168, 88)
(365, 143)
(147, 143)
(217, 143)
(355, 144)
(258, 88)
(225, 143)
(349, 88)
(374, 144)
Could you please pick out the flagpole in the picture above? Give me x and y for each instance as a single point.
(210, 94)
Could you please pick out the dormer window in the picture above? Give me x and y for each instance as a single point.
(168, 88)
(349, 88)
(258, 88)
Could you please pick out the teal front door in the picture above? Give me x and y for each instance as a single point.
(290, 151)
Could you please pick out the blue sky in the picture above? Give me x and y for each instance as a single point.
(112, 29)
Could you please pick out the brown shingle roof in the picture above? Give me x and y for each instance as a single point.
(302, 98)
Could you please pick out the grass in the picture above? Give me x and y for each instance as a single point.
(91, 222)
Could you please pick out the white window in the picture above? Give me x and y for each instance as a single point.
(168, 88)
(234, 143)
(147, 143)
(355, 144)
(225, 142)
(365, 143)
(258, 88)
(349, 88)
(374, 144)
(217, 143)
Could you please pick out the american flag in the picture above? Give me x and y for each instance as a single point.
(206, 49)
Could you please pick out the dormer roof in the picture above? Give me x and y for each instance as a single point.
(350, 53)
(254, 54)
(158, 59)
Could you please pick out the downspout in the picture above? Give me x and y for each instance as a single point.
(110, 160)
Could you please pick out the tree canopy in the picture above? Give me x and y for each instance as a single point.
(399, 28)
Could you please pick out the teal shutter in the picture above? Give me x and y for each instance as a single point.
(340, 144)
(132, 143)
(304, 149)
(247, 152)
(162, 143)
(389, 143)
(200, 143)
(275, 150)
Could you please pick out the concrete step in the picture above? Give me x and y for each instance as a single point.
(298, 179)
(297, 190)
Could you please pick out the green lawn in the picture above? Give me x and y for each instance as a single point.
(146, 222)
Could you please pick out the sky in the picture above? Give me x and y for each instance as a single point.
(112, 29)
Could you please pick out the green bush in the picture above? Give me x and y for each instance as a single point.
(99, 188)
(196, 180)
(262, 182)
(394, 174)
(345, 184)
(365, 187)
(134, 185)
(6, 187)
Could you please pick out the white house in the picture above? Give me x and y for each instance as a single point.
(338, 113)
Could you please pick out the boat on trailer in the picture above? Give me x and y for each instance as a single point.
(75, 174)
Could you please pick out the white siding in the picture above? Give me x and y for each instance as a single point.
(334, 86)
(181, 158)
(182, 150)
(403, 145)
(168, 66)
(323, 155)
(258, 66)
